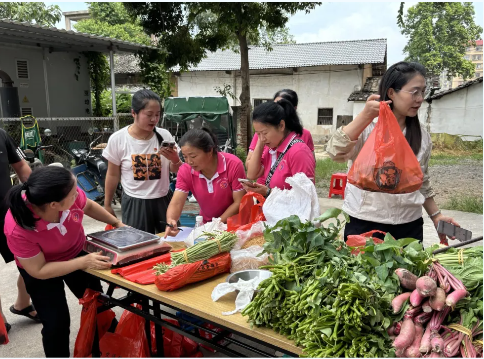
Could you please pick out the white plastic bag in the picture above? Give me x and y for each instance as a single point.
(257, 229)
(215, 225)
(244, 259)
(301, 200)
(246, 292)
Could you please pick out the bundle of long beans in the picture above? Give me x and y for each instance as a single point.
(217, 242)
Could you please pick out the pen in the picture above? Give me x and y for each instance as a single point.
(170, 225)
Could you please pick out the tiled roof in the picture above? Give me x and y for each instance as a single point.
(460, 87)
(126, 64)
(370, 88)
(299, 55)
(287, 56)
(33, 35)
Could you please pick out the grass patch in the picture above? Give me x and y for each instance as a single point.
(325, 168)
(445, 158)
(465, 204)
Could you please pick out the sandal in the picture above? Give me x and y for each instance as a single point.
(26, 312)
(8, 327)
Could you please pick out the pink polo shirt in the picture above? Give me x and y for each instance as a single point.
(215, 195)
(298, 158)
(25, 243)
(306, 137)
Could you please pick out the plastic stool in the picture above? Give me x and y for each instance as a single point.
(338, 184)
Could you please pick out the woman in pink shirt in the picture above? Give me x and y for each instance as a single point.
(290, 96)
(212, 177)
(279, 153)
(44, 232)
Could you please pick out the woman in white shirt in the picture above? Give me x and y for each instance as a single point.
(137, 158)
(402, 87)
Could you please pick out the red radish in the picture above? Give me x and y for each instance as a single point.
(399, 300)
(434, 355)
(407, 278)
(426, 286)
(413, 351)
(422, 318)
(426, 306)
(437, 302)
(437, 343)
(406, 336)
(391, 330)
(454, 297)
(416, 298)
(398, 327)
(425, 342)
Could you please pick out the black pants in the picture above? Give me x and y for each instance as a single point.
(49, 299)
(406, 230)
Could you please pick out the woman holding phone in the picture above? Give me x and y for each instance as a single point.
(141, 156)
(213, 177)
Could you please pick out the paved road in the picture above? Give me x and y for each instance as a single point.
(25, 337)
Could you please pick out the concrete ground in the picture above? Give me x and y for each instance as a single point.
(25, 337)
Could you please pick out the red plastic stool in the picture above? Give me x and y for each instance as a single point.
(338, 184)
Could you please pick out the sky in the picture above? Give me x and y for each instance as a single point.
(337, 21)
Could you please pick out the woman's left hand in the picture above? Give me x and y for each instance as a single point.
(256, 188)
(441, 217)
(119, 224)
(170, 153)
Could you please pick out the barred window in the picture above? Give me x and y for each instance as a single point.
(325, 116)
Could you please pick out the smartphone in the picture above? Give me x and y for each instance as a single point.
(170, 144)
(247, 182)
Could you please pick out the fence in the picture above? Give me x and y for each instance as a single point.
(67, 133)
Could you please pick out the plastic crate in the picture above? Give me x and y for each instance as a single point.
(187, 218)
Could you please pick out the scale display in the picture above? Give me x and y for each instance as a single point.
(124, 238)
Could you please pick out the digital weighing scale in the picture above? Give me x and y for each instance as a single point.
(125, 245)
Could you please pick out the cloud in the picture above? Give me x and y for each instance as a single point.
(353, 21)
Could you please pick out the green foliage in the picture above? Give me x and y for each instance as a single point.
(241, 153)
(98, 69)
(226, 91)
(123, 103)
(154, 73)
(112, 13)
(438, 34)
(33, 12)
(126, 32)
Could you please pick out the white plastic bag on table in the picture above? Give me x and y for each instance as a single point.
(257, 229)
(301, 200)
(244, 259)
(246, 292)
(215, 225)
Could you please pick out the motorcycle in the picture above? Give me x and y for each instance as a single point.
(91, 171)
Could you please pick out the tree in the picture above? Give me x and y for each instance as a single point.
(111, 19)
(188, 30)
(31, 12)
(438, 34)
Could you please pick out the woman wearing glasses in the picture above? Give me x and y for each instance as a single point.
(402, 87)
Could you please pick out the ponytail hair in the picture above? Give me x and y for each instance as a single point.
(45, 185)
(140, 100)
(289, 95)
(203, 139)
(272, 113)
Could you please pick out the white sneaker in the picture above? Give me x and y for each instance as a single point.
(192, 199)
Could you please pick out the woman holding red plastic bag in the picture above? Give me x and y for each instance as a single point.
(212, 177)
(403, 88)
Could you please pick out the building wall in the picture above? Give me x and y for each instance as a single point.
(458, 113)
(66, 94)
(317, 87)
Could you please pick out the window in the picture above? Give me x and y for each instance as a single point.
(467, 57)
(26, 111)
(258, 101)
(478, 74)
(22, 69)
(477, 57)
(478, 48)
(468, 49)
(325, 116)
(478, 66)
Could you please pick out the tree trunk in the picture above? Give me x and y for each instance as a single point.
(245, 110)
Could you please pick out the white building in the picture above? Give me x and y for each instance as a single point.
(323, 75)
(456, 111)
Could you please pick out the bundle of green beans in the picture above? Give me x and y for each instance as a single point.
(217, 242)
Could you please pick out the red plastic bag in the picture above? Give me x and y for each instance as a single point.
(249, 212)
(3, 332)
(208, 335)
(129, 339)
(175, 345)
(358, 241)
(89, 317)
(386, 163)
(184, 274)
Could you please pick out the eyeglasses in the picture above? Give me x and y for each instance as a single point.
(416, 94)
